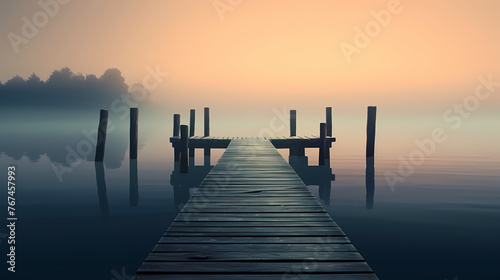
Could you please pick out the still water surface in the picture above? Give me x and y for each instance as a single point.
(440, 223)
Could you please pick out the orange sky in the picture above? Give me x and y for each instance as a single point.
(266, 55)
(266, 49)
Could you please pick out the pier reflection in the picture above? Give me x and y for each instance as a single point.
(101, 189)
(314, 175)
(134, 183)
(370, 182)
(183, 182)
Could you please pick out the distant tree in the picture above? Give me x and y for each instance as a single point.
(63, 76)
(15, 81)
(34, 80)
(78, 77)
(91, 79)
(113, 77)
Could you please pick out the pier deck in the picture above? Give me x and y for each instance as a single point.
(252, 217)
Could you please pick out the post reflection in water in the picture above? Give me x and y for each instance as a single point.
(319, 175)
(182, 182)
(134, 183)
(101, 189)
(314, 175)
(370, 182)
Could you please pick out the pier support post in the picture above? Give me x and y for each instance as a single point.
(101, 136)
(293, 123)
(184, 144)
(134, 135)
(177, 124)
(298, 151)
(329, 121)
(207, 121)
(322, 145)
(191, 134)
(370, 131)
(207, 129)
(191, 122)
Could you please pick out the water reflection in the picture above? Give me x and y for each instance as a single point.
(67, 145)
(134, 183)
(370, 182)
(317, 175)
(101, 189)
(182, 182)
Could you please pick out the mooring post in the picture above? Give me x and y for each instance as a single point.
(134, 135)
(293, 123)
(370, 131)
(207, 121)
(191, 134)
(177, 125)
(191, 122)
(207, 129)
(329, 121)
(184, 148)
(322, 143)
(101, 136)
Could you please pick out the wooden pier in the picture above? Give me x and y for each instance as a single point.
(252, 217)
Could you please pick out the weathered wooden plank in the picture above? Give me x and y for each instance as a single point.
(253, 224)
(291, 276)
(257, 234)
(214, 219)
(252, 255)
(245, 230)
(245, 267)
(245, 247)
(283, 240)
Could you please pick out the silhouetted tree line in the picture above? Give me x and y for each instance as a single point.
(85, 95)
(64, 89)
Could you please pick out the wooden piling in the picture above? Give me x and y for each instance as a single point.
(329, 121)
(191, 134)
(293, 123)
(134, 135)
(207, 121)
(370, 131)
(207, 129)
(101, 136)
(177, 123)
(322, 145)
(191, 122)
(184, 144)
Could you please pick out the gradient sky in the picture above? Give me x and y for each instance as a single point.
(269, 54)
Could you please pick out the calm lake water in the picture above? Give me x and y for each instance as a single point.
(79, 221)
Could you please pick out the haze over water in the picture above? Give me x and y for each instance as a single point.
(432, 70)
